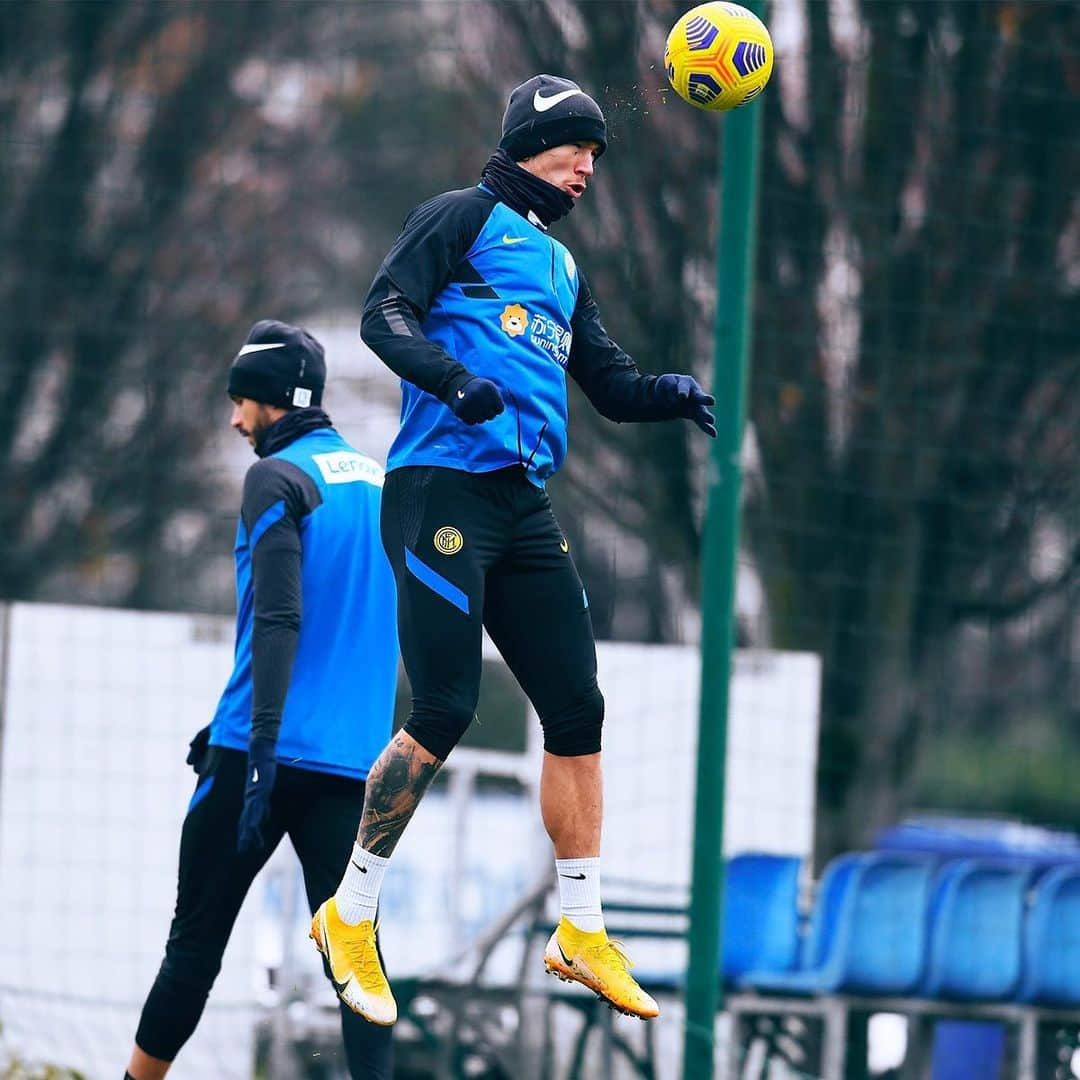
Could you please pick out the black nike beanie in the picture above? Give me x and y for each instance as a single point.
(548, 111)
(279, 365)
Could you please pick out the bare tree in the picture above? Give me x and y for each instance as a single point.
(916, 404)
(170, 175)
(175, 169)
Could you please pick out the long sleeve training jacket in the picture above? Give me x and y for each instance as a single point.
(472, 288)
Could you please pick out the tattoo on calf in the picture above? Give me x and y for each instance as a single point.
(395, 785)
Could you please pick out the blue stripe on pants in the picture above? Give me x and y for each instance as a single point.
(200, 793)
(436, 582)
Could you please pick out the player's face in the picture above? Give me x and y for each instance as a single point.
(249, 418)
(567, 167)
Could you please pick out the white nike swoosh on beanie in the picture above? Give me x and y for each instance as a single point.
(542, 104)
(259, 348)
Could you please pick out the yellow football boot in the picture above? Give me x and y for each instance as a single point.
(598, 963)
(355, 970)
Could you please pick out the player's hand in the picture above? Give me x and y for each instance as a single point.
(477, 401)
(688, 399)
(261, 774)
(196, 755)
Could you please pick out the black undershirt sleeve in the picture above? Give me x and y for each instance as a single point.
(417, 268)
(277, 497)
(606, 373)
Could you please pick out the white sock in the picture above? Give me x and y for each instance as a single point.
(358, 894)
(579, 892)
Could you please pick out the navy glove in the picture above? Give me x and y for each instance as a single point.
(261, 774)
(688, 399)
(476, 401)
(196, 754)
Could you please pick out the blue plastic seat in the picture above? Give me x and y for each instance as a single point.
(761, 920)
(867, 931)
(977, 916)
(761, 913)
(1051, 941)
(831, 896)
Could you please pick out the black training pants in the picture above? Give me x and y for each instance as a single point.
(475, 550)
(319, 812)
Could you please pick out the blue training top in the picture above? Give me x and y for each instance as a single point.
(316, 607)
(516, 334)
(473, 288)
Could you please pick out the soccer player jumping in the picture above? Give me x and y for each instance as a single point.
(482, 313)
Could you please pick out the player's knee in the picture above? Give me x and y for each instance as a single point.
(439, 729)
(575, 730)
(192, 970)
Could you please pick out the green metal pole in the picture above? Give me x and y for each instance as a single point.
(731, 362)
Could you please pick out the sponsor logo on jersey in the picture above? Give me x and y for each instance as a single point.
(348, 467)
(447, 540)
(514, 320)
(544, 332)
(552, 337)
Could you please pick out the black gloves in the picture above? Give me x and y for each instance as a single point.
(261, 774)
(196, 754)
(687, 399)
(476, 401)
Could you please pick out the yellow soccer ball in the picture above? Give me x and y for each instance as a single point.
(718, 56)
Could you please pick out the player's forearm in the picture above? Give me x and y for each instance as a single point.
(624, 394)
(606, 372)
(273, 650)
(275, 629)
(614, 386)
(389, 327)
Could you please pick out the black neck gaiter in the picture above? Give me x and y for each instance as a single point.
(289, 428)
(523, 192)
